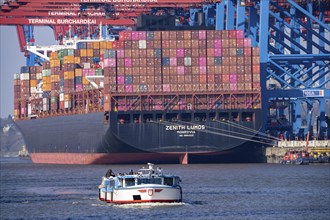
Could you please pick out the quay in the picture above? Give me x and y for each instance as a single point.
(315, 147)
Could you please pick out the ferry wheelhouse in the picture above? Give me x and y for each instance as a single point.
(146, 185)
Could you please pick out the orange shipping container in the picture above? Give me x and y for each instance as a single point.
(33, 83)
(68, 74)
(78, 72)
(85, 81)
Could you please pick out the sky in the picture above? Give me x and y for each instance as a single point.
(11, 60)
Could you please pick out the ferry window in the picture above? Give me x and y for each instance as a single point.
(124, 118)
(129, 182)
(150, 181)
(223, 116)
(168, 181)
(247, 116)
(186, 117)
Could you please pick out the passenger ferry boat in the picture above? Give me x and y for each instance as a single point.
(146, 185)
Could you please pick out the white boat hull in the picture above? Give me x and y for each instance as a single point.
(144, 194)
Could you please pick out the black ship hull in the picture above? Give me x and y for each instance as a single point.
(139, 137)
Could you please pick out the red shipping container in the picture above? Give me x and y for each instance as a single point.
(195, 78)
(202, 78)
(142, 53)
(135, 35)
(172, 52)
(166, 52)
(210, 78)
(225, 78)
(180, 70)
(180, 78)
(180, 52)
(239, 34)
(202, 34)
(142, 35)
(210, 70)
(166, 70)
(194, 44)
(217, 34)
(202, 61)
(256, 69)
(210, 52)
(202, 52)
(187, 70)
(217, 43)
(217, 52)
(247, 42)
(202, 70)
(187, 79)
(180, 61)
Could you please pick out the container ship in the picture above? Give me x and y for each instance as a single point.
(167, 96)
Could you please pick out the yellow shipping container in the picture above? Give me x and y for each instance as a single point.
(85, 81)
(46, 87)
(77, 60)
(33, 83)
(67, 97)
(46, 79)
(53, 55)
(96, 45)
(109, 45)
(78, 72)
(103, 45)
(90, 52)
(55, 78)
(55, 63)
(68, 74)
(69, 59)
(83, 52)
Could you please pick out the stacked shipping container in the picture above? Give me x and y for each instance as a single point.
(198, 61)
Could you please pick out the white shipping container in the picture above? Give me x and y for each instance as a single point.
(87, 65)
(25, 76)
(45, 107)
(17, 76)
(29, 109)
(45, 101)
(102, 84)
(33, 90)
(61, 97)
(187, 61)
(67, 104)
(142, 44)
(39, 76)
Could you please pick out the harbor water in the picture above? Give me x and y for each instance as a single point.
(210, 191)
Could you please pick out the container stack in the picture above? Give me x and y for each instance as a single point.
(186, 61)
(25, 89)
(154, 62)
(17, 95)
